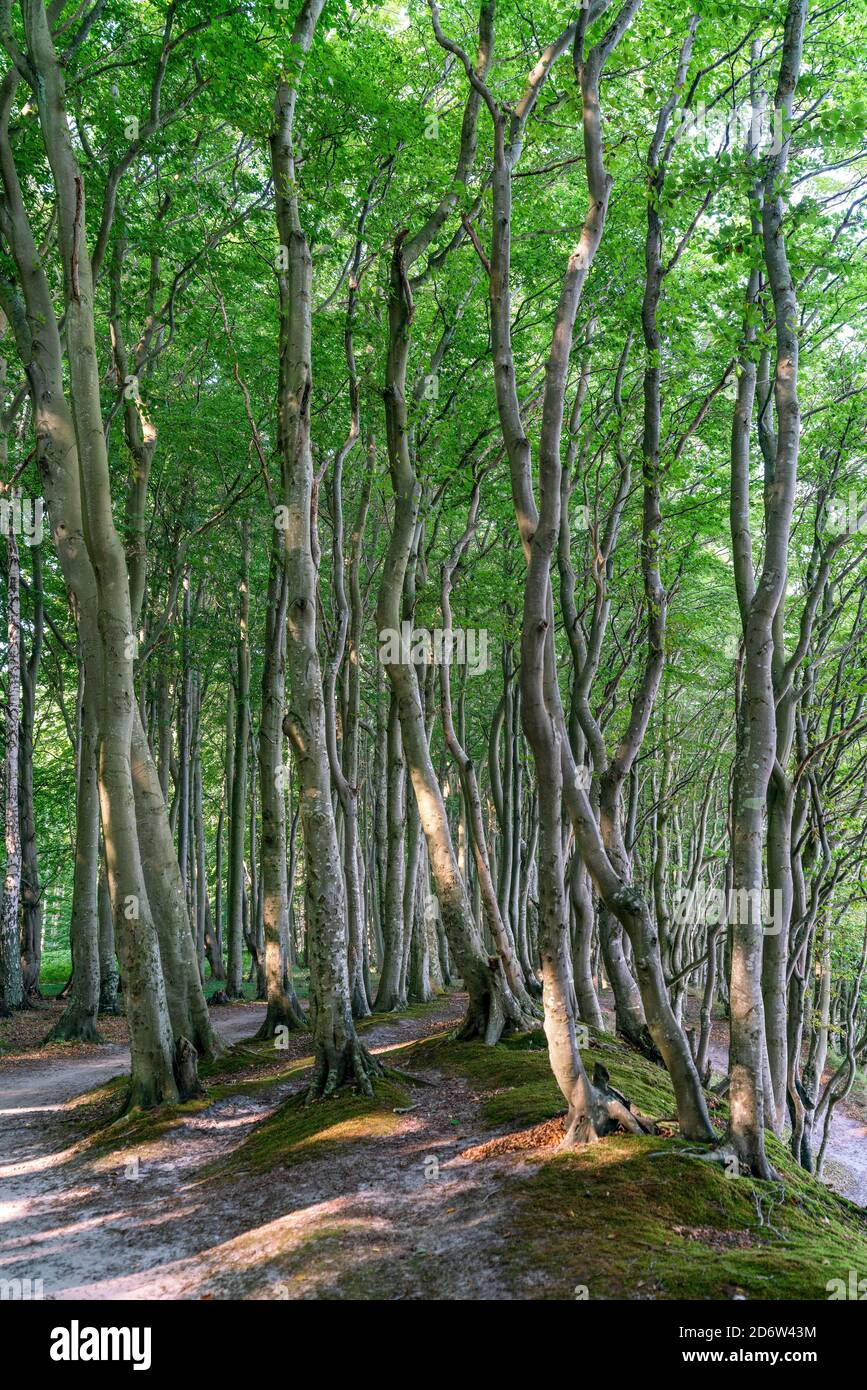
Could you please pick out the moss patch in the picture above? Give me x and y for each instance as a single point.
(247, 1069)
(623, 1224)
(638, 1217)
(518, 1086)
(298, 1130)
(376, 1020)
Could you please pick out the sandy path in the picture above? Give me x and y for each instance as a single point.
(372, 1217)
(32, 1087)
(846, 1159)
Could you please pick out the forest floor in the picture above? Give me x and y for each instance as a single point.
(452, 1189)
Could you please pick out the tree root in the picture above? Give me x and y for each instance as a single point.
(408, 1076)
(604, 1110)
(74, 1027)
(187, 1070)
(351, 1065)
(725, 1155)
(281, 1014)
(500, 1012)
(642, 1041)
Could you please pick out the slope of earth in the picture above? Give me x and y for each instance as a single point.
(447, 1184)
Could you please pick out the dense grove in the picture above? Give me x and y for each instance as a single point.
(434, 506)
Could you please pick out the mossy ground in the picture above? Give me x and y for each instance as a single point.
(638, 1217)
(249, 1068)
(300, 1131)
(516, 1081)
(628, 1218)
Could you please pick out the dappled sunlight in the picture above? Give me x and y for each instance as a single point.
(433, 657)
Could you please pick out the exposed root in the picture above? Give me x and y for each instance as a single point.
(281, 1014)
(351, 1065)
(141, 1097)
(187, 1070)
(73, 1026)
(408, 1076)
(602, 1111)
(641, 1039)
(498, 1012)
(725, 1155)
(361, 1005)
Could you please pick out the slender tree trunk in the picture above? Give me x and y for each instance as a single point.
(11, 984)
(496, 924)
(283, 1009)
(586, 997)
(153, 1079)
(77, 1023)
(542, 713)
(338, 1055)
(109, 979)
(388, 995)
(31, 895)
(758, 602)
(238, 813)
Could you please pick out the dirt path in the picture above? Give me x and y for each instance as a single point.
(390, 1212)
(400, 1216)
(846, 1160)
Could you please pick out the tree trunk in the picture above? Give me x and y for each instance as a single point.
(388, 995)
(758, 602)
(11, 984)
(283, 1009)
(77, 1023)
(338, 1055)
(152, 1080)
(31, 895)
(238, 813)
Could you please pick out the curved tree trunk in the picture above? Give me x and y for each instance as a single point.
(31, 895)
(338, 1055)
(238, 809)
(758, 602)
(77, 1023)
(388, 995)
(188, 1008)
(542, 713)
(109, 979)
(152, 1080)
(11, 984)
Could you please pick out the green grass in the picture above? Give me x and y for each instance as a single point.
(55, 970)
(57, 966)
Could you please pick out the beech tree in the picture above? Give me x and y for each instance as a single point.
(449, 426)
